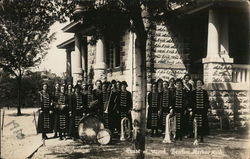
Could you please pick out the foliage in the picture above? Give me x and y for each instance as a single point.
(25, 34)
(31, 84)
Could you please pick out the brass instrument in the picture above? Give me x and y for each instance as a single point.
(107, 103)
(196, 143)
(125, 129)
(167, 130)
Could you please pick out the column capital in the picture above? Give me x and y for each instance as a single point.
(68, 50)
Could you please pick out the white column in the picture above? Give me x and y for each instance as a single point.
(84, 53)
(224, 42)
(100, 65)
(77, 71)
(243, 76)
(213, 35)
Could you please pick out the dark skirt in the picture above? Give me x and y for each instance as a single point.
(153, 121)
(45, 122)
(62, 121)
(73, 124)
(202, 124)
(163, 116)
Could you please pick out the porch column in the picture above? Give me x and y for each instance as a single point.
(84, 51)
(100, 65)
(217, 64)
(224, 41)
(77, 71)
(68, 65)
(218, 67)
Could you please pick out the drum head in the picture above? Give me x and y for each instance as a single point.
(104, 137)
(88, 128)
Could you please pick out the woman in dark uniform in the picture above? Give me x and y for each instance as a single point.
(188, 125)
(179, 108)
(165, 105)
(154, 99)
(55, 103)
(75, 111)
(45, 119)
(62, 114)
(98, 96)
(125, 103)
(200, 109)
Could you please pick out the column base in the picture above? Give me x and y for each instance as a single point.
(100, 74)
(217, 60)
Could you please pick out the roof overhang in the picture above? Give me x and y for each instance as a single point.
(68, 44)
(202, 5)
(79, 27)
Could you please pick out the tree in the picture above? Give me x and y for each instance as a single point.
(24, 34)
(137, 15)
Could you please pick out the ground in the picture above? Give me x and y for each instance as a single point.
(14, 146)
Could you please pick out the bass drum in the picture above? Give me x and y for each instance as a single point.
(88, 128)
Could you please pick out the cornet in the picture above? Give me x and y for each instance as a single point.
(125, 129)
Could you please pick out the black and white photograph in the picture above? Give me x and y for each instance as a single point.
(124, 79)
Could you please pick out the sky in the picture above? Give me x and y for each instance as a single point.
(55, 60)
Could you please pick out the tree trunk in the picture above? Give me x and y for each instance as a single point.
(140, 85)
(19, 84)
(139, 96)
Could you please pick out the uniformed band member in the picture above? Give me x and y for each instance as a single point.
(90, 100)
(104, 108)
(188, 122)
(76, 111)
(165, 105)
(125, 103)
(113, 105)
(45, 119)
(55, 103)
(98, 96)
(62, 114)
(154, 99)
(179, 108)
(200, 109)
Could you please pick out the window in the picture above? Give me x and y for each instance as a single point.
(114, 55)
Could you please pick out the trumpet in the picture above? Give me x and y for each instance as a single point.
(125, 129)
(167, 130)
(196, 143)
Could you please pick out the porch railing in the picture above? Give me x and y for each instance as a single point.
(241, 73)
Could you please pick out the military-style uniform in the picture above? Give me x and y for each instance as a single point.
(106, 115)
(165, 107)
(98, 96)
(62, 114)
(55, 103)
(45, 119)
(76, 109)
(200, 109)
(188, 122)
(179, 108)
(154, 99)
(113, 111)
(125, 105)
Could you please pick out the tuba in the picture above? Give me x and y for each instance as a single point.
(167, 130)
(125, 129)
(196, 143)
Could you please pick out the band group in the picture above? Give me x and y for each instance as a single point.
(64, 107)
